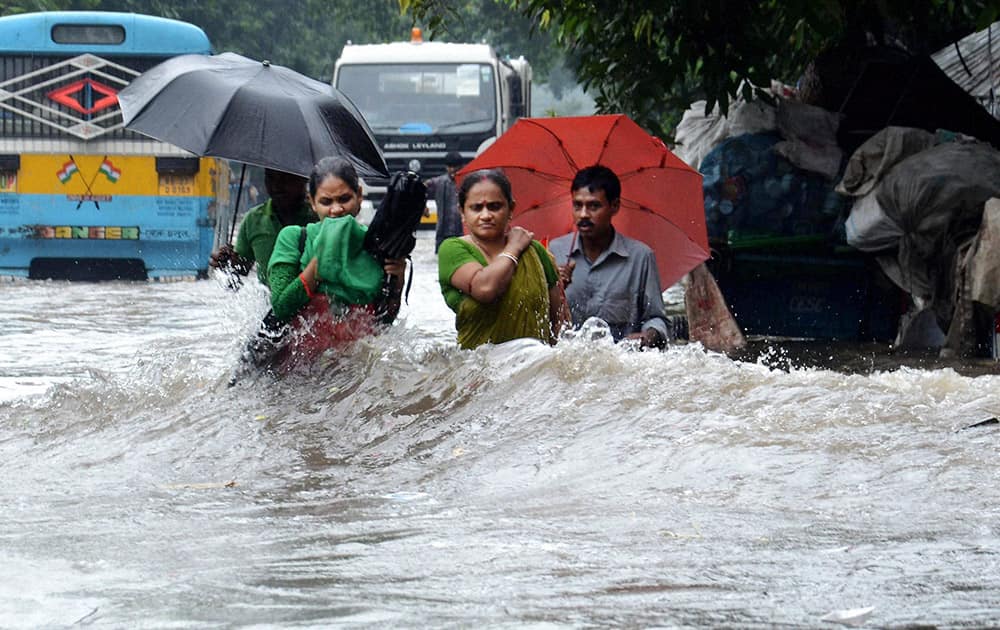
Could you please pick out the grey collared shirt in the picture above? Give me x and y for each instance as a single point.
(622, 286)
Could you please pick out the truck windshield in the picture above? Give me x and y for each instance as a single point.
(422, 98)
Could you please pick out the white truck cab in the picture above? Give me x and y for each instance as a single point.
(425, 99)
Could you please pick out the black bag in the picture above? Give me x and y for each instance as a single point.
(390, 234)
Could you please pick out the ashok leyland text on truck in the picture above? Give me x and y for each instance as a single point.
(80, 196)
(424, 99)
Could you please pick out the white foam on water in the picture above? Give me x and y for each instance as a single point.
(404, 481)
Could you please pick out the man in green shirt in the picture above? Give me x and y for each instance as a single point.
(254, 243)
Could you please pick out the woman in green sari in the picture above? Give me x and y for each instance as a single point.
(323, 282)
(501, 283)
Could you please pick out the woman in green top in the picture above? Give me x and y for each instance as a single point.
(501, 284)
(322, 279)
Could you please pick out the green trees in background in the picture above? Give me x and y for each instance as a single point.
(308, 35)
(647, 58)
(652, 58)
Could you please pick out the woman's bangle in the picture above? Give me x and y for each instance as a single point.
(511, 256)
(305, 285)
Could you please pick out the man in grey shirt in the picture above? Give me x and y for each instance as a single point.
(608, 275)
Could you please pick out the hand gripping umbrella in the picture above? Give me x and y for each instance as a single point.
(662, 203)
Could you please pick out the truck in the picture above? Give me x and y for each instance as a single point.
(425, 99)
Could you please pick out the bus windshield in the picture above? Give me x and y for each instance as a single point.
(422, 98)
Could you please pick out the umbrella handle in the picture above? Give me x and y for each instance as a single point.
(233, 280)
(391, 298)
(236, 206)
(388, 301)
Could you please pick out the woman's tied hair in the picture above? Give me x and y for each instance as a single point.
(494, 175)
(333, 167)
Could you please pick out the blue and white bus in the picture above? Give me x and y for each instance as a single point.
(80, 196)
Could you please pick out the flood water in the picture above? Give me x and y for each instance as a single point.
(406, 483)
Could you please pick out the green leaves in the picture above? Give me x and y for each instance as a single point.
(643, 29)
(988, 15)
(646, 58)
(651, 58)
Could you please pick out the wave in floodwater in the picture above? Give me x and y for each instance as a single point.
(405, 482)
(412, 483)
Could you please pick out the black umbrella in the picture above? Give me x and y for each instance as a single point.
(232, 107)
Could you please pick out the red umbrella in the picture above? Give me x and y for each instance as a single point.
(662, 203)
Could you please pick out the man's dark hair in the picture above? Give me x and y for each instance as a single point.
(598, 177)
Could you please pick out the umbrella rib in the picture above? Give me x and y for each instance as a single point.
(559, 142)
(552, 177)
(604, 148)
(683, 169)
(622, 176)
(641, 208)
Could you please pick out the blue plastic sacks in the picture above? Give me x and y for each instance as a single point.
(752, 192)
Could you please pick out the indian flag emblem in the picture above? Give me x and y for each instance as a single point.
(66, 172)
(110, 171)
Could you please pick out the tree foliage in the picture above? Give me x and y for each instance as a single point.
(308, 35)
(646, 58)
(651, 58)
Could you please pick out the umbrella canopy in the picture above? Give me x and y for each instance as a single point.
(661, 201)
(232, 107)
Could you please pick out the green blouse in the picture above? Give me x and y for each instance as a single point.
(348, 273)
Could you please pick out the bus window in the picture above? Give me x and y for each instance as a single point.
(9, 165)
(109, 34)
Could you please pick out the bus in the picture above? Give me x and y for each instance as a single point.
(82, 198)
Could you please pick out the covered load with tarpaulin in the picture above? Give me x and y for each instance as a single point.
(786, 251)
(918, 205)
